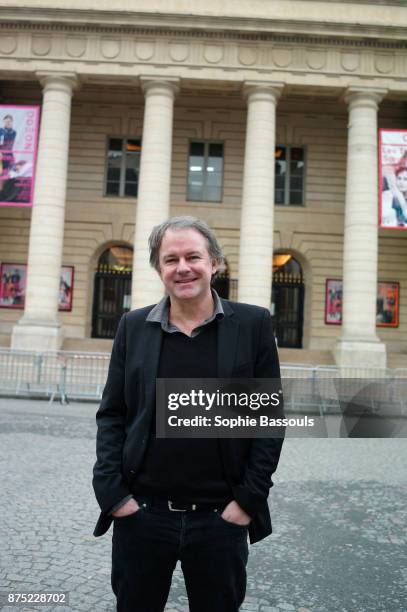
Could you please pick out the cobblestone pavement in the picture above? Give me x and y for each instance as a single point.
(338, 509)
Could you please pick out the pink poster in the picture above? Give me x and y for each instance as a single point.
(393, 179)
(18, 153)
(13, 281)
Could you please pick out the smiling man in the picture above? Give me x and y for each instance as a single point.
(188, 500)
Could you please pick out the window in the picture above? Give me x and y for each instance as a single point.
(123, 165)
(205, 172)
(289, 176)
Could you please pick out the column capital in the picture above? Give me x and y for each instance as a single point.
(57, 80)
(359, 96)
(154, 84)
(262, 89)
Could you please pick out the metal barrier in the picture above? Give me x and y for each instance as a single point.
(335, 389)
(68, 375)
(58, 374)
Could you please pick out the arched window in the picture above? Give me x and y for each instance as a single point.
(286, 268)
(116, 259)
(287, 306)
(112, 292)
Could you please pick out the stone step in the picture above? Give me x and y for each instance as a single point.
(87, 345)
(396, 360)
(306, 356)
(5, 340)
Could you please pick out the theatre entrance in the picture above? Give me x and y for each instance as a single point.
(287, 307)
(112, 290)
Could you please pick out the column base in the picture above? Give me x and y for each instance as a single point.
(36, 337)
(360, 354)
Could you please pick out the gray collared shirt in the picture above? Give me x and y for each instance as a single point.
(160, 314)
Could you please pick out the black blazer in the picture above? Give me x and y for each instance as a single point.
(246, 348)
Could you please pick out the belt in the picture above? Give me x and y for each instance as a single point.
(174, 506)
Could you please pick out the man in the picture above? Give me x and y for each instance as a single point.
(192, 500)
(7, 138)
(7, 134)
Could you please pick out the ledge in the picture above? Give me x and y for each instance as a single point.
(202, 25)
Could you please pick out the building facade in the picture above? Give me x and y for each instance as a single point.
(260, 118)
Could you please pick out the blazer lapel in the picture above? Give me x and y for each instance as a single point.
(151, 346)
(228, 333)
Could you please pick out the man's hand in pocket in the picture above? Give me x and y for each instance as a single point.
(233, 513)
(130, 507)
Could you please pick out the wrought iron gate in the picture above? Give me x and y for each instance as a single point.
(288, 302)
(112, 298)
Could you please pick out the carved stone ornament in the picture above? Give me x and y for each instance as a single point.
(110, 47)
(41, 45)
(179, 52)
(248, 56)
(213, 53)
(384, 63)
(76, 46)
(350, 61)
(282, 56)
(145, 50)
(316, 58)
(8, 44)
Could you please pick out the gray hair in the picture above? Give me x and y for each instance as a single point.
(177, 223)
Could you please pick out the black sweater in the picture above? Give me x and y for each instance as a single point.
(185, 470)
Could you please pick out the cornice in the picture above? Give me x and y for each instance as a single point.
(372, 2)
(197, 26)
(291, 38)
(120, 52)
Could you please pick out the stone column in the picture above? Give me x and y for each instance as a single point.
(358, 344)
(39, 328)
(153, 203)
(257, 217)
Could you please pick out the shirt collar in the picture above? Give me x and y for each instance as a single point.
(160, 312)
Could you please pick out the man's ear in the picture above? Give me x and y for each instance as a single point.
(215, 266)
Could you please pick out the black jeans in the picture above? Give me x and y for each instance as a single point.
(148, 544)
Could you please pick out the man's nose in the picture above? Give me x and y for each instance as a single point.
(182, 265)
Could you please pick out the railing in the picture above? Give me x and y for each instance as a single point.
(339, 389)
(67, 375)
(59, 374)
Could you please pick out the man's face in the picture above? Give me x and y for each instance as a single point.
(401, 181)
(8, 122)
(186, 268)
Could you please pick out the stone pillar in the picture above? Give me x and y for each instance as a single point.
(257, 217)
(358, 344)
(153, 203)
(39, 328)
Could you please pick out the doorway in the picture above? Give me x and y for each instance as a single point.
(287, 308)
(112, 290)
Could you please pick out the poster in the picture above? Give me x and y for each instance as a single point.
(387, 311)
(333, 302)
(13, 280)
(66, 288)
(18, 153)
(393, 179)
(387, 303)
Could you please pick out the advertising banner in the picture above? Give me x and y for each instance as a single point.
(387, 303)
(13, 281)
(18, 153)
(393, 179)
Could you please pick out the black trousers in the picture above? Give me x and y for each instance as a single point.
(147, 545)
